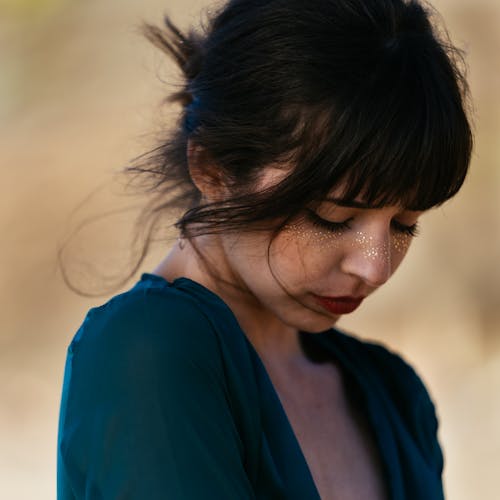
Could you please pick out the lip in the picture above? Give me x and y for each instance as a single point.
(339, 305)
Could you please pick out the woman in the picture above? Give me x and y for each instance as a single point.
(312, 137)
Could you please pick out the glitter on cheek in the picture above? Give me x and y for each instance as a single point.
(313, 236)
(401, 242)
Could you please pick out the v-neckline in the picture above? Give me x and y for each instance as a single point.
(352, 378)
(366, 399)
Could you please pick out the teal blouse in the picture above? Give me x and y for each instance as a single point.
(165, 398)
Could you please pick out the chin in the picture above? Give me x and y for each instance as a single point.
(317, 324)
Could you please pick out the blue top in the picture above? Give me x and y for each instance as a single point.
(164, 397)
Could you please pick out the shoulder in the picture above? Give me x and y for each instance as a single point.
(145, 385)
(154, 326)
(145, 312)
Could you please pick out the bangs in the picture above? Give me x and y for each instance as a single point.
(368, 98)
(402, 137)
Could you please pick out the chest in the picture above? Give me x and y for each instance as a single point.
(334, 436)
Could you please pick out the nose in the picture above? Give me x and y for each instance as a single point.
(369, 259)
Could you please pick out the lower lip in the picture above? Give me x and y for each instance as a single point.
(338, 306)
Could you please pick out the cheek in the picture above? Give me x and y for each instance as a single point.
(306, 252)
(400, 243)
(307, 237)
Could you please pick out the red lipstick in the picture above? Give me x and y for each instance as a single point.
(339, 305)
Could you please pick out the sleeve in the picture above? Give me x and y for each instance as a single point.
(145, 412)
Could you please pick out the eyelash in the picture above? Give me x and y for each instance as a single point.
(318, 221)
(413, 230)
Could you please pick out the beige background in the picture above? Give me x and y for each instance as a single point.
(79, 94)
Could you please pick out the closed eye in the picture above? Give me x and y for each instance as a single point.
(329, 225)
(413, 230)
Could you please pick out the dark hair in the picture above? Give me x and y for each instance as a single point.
(369, 93)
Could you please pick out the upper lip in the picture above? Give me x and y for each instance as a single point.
(345, 298)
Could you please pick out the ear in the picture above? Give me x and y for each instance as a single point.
(205, 174)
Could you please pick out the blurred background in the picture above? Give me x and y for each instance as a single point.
(80, 95)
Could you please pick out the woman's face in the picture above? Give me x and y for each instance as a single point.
(324, 263)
